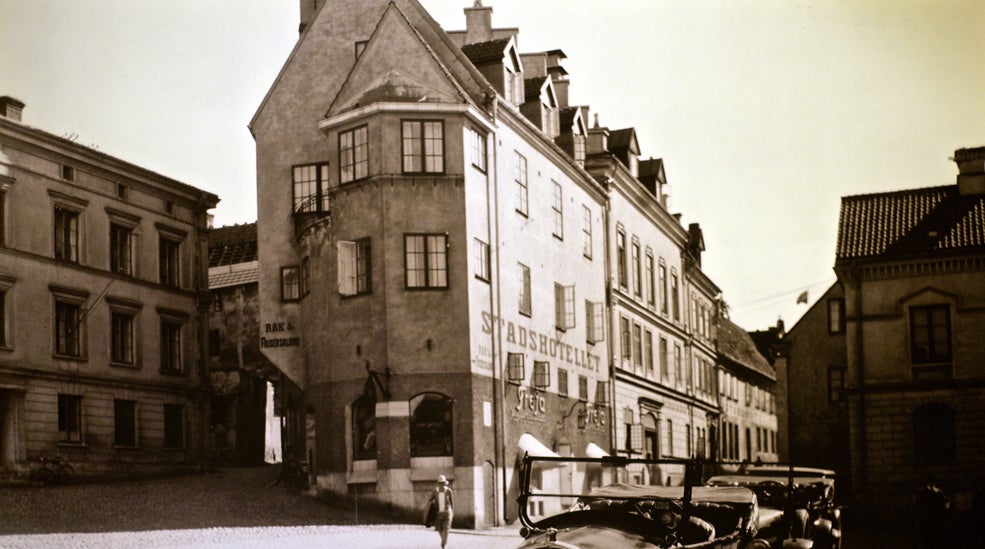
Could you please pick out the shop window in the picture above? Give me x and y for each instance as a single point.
(431, 426)
(124, 422)
(70, 418)
(174, 426)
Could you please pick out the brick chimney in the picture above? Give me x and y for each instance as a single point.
(11, 108)
(478, 23)
(971, 170)
(598, 138)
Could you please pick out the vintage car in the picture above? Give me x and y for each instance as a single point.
(576, 503)
(796, 504)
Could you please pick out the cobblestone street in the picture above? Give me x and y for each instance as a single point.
(232, 508)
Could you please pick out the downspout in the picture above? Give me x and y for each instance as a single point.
(607, 224)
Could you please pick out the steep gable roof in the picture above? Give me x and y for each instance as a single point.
(374, 77)
(910, 223)
(623, 139)
(736, 345)
(482, 53)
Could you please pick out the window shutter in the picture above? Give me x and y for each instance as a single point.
(347, 267)
(568, 295)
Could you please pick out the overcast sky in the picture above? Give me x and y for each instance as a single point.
(765, 112)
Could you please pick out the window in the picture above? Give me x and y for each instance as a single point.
(68, 328)
(637, 345)
(523, 272)
(562, 382)
(481, 250)
(431, 426)
(477, 149)
(124, 422)
(933, 433)
(664, 359)
(564, 306)
(520, 177)
(583, 388)
(70, 418)
(353, 155)
(586, 247)
(170, 346)
(120, 249)
(625, 345)
(542, 374)
(364, 427)
(648, 352)
(290, 283)
(678, 366)
(121, 190)
(426, 261)
(836, 316)
(305, 276)
(663, 288)
(121, 337)
(354, 267)
(3, 216)
(670, 437)
(649, 279)
(930, 334)
(310, 187)
(594, 321)
(423, 146)
(215, 342)
(621, 258)
(68, 173)
(3, 316)
(675, 296)
(66, 234)
(637, 273)
(168, 256)
(174, 426)
(557, 206)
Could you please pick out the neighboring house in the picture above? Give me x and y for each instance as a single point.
(810, 362)
(103, 291)
(747, 384)
(238, 371)
(912, 265)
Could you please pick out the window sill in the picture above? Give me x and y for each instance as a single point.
(79, 445)
(126, 448)
(126, 365)
(72, 358)
(173, 373)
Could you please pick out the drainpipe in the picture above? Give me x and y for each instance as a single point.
(607, 224)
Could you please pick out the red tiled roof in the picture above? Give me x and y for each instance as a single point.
(481, 53)
(233, 244)
(910, 222)
(736, 345)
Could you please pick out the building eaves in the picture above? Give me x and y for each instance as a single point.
(910, 223)
(483, 53)
(735, 345)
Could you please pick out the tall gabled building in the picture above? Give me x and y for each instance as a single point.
(430, 260)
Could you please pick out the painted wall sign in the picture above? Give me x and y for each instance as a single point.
(544, 344)
(530, 401)
(276, 341)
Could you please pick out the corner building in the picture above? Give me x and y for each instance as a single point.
(431, 260)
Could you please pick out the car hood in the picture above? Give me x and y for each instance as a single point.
(587, 537)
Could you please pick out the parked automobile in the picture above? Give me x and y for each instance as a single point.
(601, 502)
(796, 504)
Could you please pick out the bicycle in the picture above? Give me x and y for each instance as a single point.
(52, 471)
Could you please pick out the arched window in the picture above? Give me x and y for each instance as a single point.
(431, 426)
(933, 433)
(364, 427)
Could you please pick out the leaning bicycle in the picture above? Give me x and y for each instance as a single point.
(52, 470)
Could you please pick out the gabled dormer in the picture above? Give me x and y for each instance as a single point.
(540, 105)
(654, 178)
(623, 145)
(573, 132)
(500, 63)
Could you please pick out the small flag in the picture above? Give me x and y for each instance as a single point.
(802, 298)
